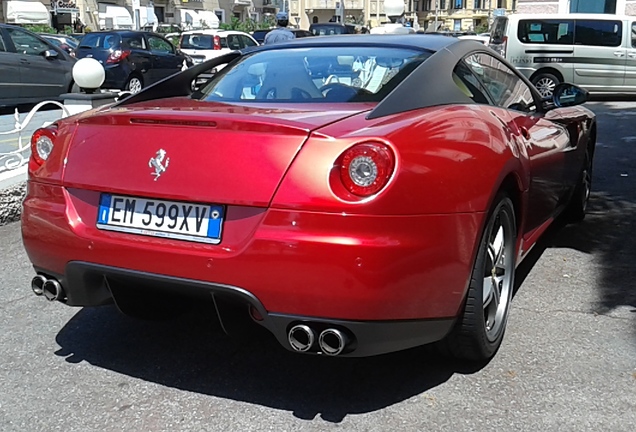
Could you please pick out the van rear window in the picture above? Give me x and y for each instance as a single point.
(498, 30)
(546, 31)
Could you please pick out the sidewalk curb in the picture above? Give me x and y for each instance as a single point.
(11, 203)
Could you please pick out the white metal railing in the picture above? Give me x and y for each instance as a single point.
(16, 158)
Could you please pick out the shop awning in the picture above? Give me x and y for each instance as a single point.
(26, 12)
(119, 15)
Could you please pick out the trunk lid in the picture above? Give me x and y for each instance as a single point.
(187, 150)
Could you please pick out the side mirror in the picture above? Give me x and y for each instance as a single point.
(50, 54)
(567, 95)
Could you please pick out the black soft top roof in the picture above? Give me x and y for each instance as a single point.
(429, 84)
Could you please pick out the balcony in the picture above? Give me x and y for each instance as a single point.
(331, 4)
(431, 13)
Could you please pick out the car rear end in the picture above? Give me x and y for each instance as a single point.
(202, 46)
(294, 211)
(107, 48)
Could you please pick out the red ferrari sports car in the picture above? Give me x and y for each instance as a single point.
(354, 195)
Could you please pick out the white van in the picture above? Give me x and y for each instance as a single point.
(594, 51)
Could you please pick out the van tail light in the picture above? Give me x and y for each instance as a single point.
(366, 168)
(504, 47)
(42, 143)
(217, 43)
(117, 56)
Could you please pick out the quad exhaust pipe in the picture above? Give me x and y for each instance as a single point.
(331, 341)
(51, 289)
(301, 338)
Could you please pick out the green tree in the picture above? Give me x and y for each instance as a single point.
(247, 26)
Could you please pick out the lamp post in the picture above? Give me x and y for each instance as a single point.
(436, 8)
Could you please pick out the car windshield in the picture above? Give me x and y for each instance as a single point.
(317, 74)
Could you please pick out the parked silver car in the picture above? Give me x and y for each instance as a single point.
(31, 68)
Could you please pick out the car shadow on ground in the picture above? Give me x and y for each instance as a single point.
(608, 231)
(191, 353)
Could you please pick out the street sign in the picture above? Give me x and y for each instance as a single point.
(499, 12)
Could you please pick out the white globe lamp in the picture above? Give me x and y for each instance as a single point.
(88, 74)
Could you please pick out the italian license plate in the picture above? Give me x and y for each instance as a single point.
(159, 218)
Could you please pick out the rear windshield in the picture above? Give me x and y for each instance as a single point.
(200, 41)
(325, 74)
(324, 30)
(101, 41)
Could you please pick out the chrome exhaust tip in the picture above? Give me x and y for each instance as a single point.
(301, 337)
(52, 290)
(332, 341)
(37, 285)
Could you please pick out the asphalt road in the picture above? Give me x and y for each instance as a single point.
(568, 361)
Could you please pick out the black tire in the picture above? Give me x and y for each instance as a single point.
(480, 327)
(577, 207)
(545, 82)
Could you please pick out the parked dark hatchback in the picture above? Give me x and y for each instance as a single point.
(132, 59)
(65, 42)
(31, 69)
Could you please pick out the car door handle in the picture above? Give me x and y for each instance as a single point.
(632, 55)
(619, 53)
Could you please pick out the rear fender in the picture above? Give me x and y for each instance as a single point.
(449, 159)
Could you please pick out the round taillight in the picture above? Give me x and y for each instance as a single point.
(42, 143)
(366, 168)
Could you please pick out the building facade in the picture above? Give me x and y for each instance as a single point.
(626, 7)
(460, 15)
(100, 14)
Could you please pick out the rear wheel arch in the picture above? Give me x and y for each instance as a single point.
(480, 325)
(547, 70)
(511, 186)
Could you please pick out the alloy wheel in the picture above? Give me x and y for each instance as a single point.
(498, 277)
(134, 85)
(545, 86)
